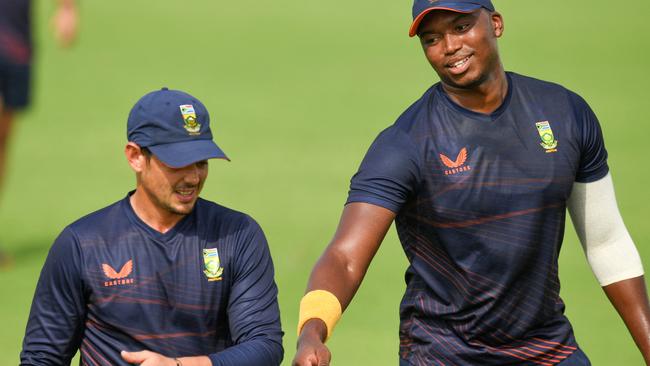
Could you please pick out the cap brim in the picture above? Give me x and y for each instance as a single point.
(464, 8)
(180, 154)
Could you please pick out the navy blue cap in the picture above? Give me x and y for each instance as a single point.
(422, 7)
(174, 126)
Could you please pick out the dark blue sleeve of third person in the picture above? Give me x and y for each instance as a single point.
(253, 310)
(389, 173)
(57, 316)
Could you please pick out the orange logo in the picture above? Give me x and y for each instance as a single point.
(118, 278)
(456, 166)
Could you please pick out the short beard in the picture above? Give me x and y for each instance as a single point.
(166, 206)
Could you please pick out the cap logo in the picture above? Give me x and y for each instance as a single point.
(191, 125)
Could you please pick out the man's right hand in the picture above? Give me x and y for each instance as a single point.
(311, 349)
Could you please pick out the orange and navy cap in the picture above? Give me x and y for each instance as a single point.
(422, 7)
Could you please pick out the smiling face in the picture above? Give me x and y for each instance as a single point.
(172, 190)
(163, 194)
(462, 48)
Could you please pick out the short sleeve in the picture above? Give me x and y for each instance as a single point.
(593, 155)
(389, 173)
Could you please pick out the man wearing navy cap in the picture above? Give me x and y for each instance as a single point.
(477, 175)
(161, 277)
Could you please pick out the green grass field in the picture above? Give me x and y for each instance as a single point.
(297, 91)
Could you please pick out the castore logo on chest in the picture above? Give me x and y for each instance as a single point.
(118, 278)
(455, 166)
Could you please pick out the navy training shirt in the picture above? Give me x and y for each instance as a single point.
(480, 203)
(15, 31)
(112, 283)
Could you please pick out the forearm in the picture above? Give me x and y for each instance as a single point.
(255, 352)
(609, 248)
(332, 274)
(337, 275)
(314, 328)
(630, 299)
(344, 263)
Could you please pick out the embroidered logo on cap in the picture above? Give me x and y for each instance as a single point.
(189, 119)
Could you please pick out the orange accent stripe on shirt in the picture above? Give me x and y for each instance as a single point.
(547, 356)
(89, 357)
(173, 335)
(125, 299)
(524, 358)
(551, 348)
(447, 225)
(90, 347)
(556, 343)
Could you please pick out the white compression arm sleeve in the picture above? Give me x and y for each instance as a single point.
(607, 244)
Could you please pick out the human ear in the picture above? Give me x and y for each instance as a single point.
(497, 24)
(135, 157)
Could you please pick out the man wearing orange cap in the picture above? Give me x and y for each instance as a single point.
(477, 175)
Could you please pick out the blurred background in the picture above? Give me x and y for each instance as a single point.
(297, 90)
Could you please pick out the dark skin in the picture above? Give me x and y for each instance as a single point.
(630, 299)
(478, 81)
(341, 269)
(462, 49)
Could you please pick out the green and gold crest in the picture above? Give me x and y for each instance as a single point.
(189, 119)
(549, 143)
(212, 264)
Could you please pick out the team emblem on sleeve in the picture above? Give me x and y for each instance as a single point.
(189, 119)
(212, 264)
(549, 143)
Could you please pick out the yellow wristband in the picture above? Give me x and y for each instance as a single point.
(320, 304)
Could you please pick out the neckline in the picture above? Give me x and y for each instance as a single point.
(155, 234)
(476, 115)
